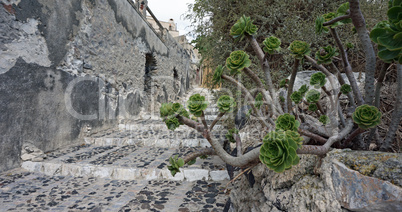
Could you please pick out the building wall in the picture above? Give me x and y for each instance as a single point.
(67, 67)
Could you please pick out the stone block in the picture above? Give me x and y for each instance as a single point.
(195, 174)
(219, 175)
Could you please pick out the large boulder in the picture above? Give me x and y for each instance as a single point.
(352, 180)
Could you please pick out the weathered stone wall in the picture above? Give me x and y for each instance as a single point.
(345, 180)
(71, 66)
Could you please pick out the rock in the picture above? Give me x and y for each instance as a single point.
(31, 152)
(352, 180)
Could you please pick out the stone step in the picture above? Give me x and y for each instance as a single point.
(25, 191)
(155, 137)
(131, 162)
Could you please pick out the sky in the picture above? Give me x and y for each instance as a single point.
(167, 9)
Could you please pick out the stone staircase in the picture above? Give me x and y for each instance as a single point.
(122, 169)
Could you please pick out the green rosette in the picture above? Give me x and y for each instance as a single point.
(319, 27)
(272, 44)
(366, 116)
(237, 61)
(296, 97)
(325, 55)
(303, 89)
(312, 107)
(287, 122)
(172, 123)
(318, 79)
(197, 104)
(324, 119)
(299, 49)
(217, 78)
(226, 104)
(278, 151)
(345, 89)
(313, 96)
(243, 26)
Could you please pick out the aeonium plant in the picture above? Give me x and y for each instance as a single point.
(237, 61)
(286, 123)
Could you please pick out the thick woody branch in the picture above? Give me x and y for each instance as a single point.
(216, 120)
(312, 135)
(265, 66)
(347, 67)
(342, 82)
(193, 124)
(259, 84)
(360, 25)
(198, 153)
(322, 150)
(340, 18)
(249, 96)
(203, 120)
(352, 136)
(291, 83)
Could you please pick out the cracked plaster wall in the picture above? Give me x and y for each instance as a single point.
(69, 66)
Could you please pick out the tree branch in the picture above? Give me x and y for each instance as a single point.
(203, 120)
(340, 18)
(360, 25)
(312, 135)
(216, 120)
(248, 96)
(291, 83)
(347, 67)
(198, 153)
(265, 66)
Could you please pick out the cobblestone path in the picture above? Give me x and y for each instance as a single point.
(122, 169)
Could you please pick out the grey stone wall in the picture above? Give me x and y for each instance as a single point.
(70, 66)
(344, 180)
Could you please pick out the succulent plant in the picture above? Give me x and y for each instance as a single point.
(312, 107)
(343, 10)
(318, 79)
(324, 55)
(242, 26)
(175, 164)
(388, 35)
(170, 109)
(319, 27)
(324, 119)
(345, 89)
(258, 101)
(217, 78)
(299, 49)
(366, 116)
(296, 97)
(281, 98)
(303, 89)
(237, 61)
(287, 122)
(313, 96)
(196, 104)
(230, 133)
(172, 123)
(272, 44)
(278, 151)
(283, 83)
(226, 104)
(329, 16)
(166, 109)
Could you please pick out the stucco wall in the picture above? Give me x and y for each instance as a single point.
(70, 66)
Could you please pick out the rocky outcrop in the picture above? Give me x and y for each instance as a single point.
(346, 180)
